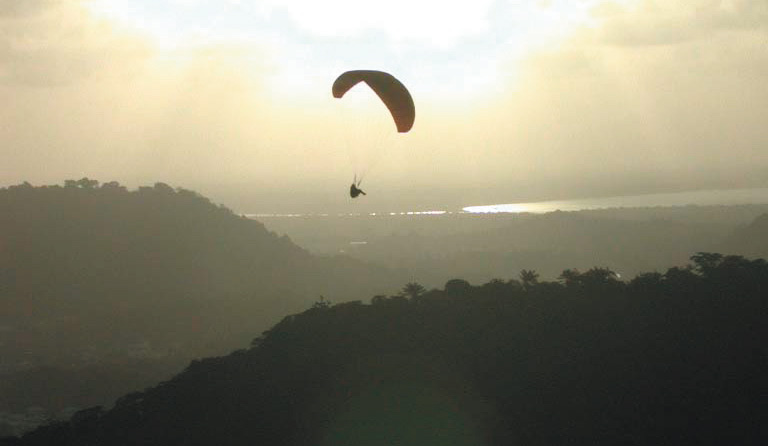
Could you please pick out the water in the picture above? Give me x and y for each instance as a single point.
(700, 198)
(332, 233)
(353, 214)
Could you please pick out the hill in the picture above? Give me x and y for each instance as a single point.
(750, 239)
(665, 359)
(98, 277)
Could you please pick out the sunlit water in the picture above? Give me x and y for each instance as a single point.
(700, 198)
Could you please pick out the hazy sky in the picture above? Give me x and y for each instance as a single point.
(515, 100)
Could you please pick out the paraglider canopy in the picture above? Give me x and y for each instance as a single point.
(390, 90)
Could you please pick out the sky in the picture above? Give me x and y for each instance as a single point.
(516, 100)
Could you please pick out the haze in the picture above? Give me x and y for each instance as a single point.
(516, 100)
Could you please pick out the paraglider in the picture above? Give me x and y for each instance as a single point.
(354, 189)
(392, 93)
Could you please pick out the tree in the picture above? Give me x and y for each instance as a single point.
(321, 304)
(706, 262)
(570, 277)
(87, 183)
(413, 290)
(82, 183)
(592, 279)
(113, 185)
(495, 285)
(648, 282)
(529, 278)
(164, 188)
(378, 299)
(457, 286)
(24, 185)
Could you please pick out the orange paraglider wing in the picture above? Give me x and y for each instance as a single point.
(391, 91)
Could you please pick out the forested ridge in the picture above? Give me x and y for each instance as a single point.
(94, 259)
(97, 279)
(672, 358)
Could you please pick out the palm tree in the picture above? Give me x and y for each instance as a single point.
(529, 278)
(412, 290)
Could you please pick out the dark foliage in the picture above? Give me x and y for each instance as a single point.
(95, 274)
(667, 359)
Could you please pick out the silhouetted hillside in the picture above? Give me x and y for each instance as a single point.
(95, 273)
(665, 359)
(751, 239)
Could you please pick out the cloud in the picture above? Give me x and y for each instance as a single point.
(671, 22)
(664, 95)
(50, 42)
(399, 19)
(20, 8)
(84, 98)
(649, 97)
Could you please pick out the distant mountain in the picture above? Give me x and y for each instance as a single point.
(666, 359)
(479, 247)
(751, 239)
(547, 243)
(93, 273)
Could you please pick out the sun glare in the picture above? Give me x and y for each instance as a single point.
(463, 50)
